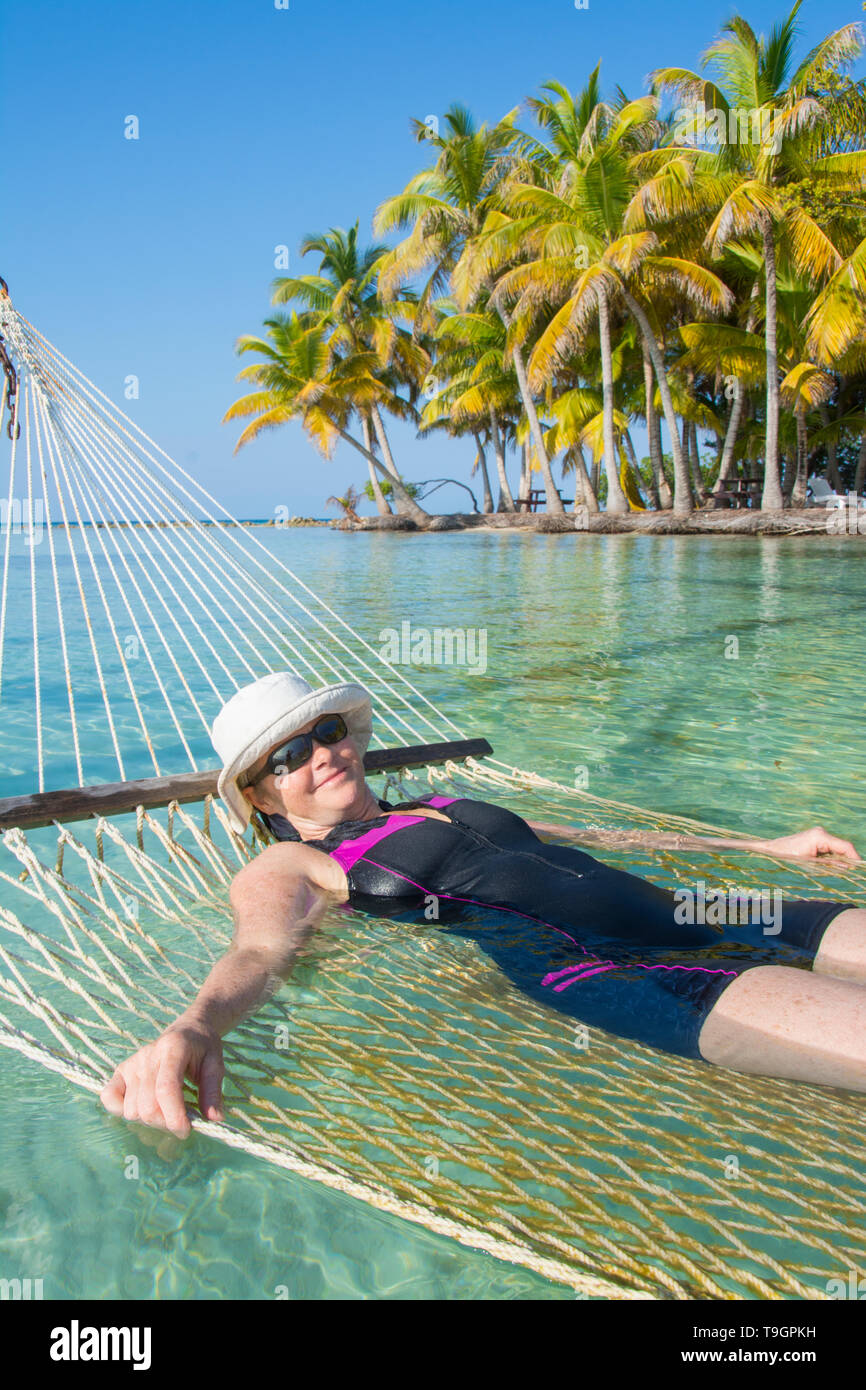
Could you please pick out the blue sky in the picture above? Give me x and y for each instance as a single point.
(258, 126)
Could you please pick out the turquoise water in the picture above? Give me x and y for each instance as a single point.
(716, 678)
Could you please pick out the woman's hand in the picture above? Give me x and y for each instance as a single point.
(806, 844)
(811, 844)
(148, 1086)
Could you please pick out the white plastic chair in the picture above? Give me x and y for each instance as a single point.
(820, 494)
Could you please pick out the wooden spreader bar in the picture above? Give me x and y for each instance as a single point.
(118, 798)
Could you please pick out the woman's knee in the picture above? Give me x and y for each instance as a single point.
(842, 948)
(741, 1013)
(776, 1020)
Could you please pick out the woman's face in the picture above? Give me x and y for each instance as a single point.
(323, 791)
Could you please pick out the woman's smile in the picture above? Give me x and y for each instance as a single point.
(333, 775)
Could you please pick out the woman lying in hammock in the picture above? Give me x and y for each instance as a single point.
(783, 995)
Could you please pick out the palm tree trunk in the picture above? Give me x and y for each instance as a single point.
(407, 505)
(788, 468)
(860, 475)
(695, 463)
(771, 499)
(487, 505)
(382, 437)
(506, 501)
(798, 492)
(616, 498)
(682, 487)
(638, 476)
(726, 467)
(554, 501)
(382, 504)
(693, 453)
(593, 476)
(684, 445)
(525, 484)
(660, 489)
(832, 466)
(664, 482)
(633, 462)
(738, 404)
(583, 484)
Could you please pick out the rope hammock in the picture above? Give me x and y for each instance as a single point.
(396, 1065)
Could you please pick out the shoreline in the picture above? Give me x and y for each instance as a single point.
(789, 522)
(811, 521)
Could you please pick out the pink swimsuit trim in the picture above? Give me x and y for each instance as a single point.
(351, 851)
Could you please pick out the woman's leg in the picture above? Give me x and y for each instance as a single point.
(776, 1020)
(842, 952)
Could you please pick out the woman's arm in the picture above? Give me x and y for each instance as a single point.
(277, 900)
(806, 844)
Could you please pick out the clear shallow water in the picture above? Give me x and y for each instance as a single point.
(604, 653)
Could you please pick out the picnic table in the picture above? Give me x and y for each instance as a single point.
(740, 492)
(536, 499)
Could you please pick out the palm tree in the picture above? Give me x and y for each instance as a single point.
(805, 385)
(615, 266)
(343, 298)
(583, 263)
(348, 503)
(446, 207)
(482, 392)
(301, 378)
(741, 182)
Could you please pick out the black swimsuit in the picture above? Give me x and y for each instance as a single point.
(606, 947)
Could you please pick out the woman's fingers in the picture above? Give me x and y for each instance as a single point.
(169, 1088)
(130, 1097)
(147, 1106)
(817, 841)
(812, 843)
(831, 844)
(112, 1094)
(148, 1087)
(210, 1086)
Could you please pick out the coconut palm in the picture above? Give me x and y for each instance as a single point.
(805, 385)
(301, 378)
(577, 260)
(471, 348)
(343, 298)
(446, 207)
(756, 156)
(551, 288)
(349, 503)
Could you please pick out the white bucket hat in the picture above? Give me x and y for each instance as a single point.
(259, 715)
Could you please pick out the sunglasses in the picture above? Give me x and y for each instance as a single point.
(298, 750)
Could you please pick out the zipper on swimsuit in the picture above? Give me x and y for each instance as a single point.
(500, 849)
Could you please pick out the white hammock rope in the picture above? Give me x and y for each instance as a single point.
(414, 1078)
(220, 541)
